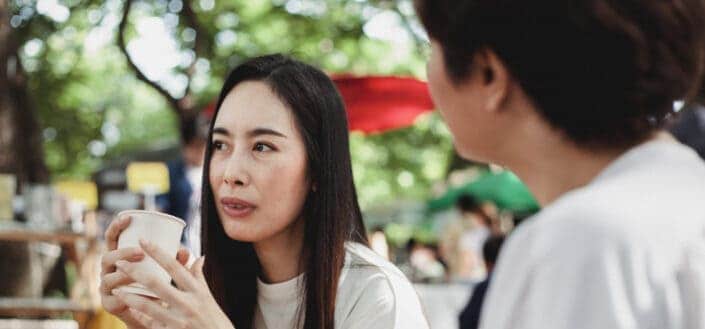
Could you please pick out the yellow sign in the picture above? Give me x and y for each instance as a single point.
(85, 192)
(7, 193)
(148, 177)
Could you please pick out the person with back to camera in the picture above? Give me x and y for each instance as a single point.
(283, 237)
(572, 96)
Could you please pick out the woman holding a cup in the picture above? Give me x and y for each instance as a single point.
(283, 237)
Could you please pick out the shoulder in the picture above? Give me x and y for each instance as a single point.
(643, 212)
(373, 288)
(368, 271)
(644, 205)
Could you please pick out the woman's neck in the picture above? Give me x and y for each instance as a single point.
(553, 166)
(280, 256)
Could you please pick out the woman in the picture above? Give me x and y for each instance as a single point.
(574, 97)
(283, 236)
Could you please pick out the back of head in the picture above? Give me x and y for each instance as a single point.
(604, 72)
(468, 203)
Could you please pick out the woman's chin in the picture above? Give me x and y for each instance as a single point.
(240, 233)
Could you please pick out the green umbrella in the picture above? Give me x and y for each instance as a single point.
(503, 189)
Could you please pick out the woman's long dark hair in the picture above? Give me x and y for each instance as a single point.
(331, 212)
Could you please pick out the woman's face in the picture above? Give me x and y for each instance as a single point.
(258, 166)
(473, 129)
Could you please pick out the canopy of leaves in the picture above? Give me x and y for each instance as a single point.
(93, 107)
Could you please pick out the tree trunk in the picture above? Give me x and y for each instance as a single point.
(21, 151)
(21, 154)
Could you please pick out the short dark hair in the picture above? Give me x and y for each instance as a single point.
(604, 72)
(467, 203)
(193, 128)
(491, 248)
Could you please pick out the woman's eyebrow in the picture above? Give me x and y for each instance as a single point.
(253, 133)
(221, 131)
(265, 131)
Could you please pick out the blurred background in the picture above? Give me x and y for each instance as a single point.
(104, 106)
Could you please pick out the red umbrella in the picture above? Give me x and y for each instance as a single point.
(377, 104)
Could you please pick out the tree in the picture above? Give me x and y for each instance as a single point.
(20, 138)
(20, 146)
(184, 106)
(94, 100)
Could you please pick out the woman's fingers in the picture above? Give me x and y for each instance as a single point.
(108, 283)
(114, 280)
(144, 320)
(113, 232)
(151, 281)
(113, 305)
(197, 269)
(108, 260)
(178, 272)
(148, 313)
(183, 256)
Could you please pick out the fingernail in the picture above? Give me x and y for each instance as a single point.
(146, 244)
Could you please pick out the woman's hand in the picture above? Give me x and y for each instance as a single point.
(111, 279)
(189, 305)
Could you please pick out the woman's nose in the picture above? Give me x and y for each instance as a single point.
(236, 173)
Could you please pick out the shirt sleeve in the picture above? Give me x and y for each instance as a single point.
(692, 284)
(387, 302)
(588, 280)
(375, 308)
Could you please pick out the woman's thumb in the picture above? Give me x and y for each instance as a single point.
(197, 268)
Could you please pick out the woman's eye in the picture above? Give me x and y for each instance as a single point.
(261, 147)
(218, 146)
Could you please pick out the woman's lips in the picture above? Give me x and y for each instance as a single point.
(237, 208)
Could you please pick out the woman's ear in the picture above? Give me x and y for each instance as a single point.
(495, 79)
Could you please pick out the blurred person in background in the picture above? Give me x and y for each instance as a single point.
(473, 238)
(470, 316)
(462, 240)
(423, 264)
(378, 242)
(185, 174)
(573, 97)
(283, 237)
(689, 127)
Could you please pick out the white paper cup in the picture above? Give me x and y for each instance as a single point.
(161, 229)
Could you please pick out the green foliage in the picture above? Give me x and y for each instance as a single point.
(400, 164)
(92, 107)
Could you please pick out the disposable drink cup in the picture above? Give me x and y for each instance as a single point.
(158, 228)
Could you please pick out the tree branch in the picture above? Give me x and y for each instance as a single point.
(418, 41)
(192, 19)
(199, 48)
(8, 38)
(175, 103)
